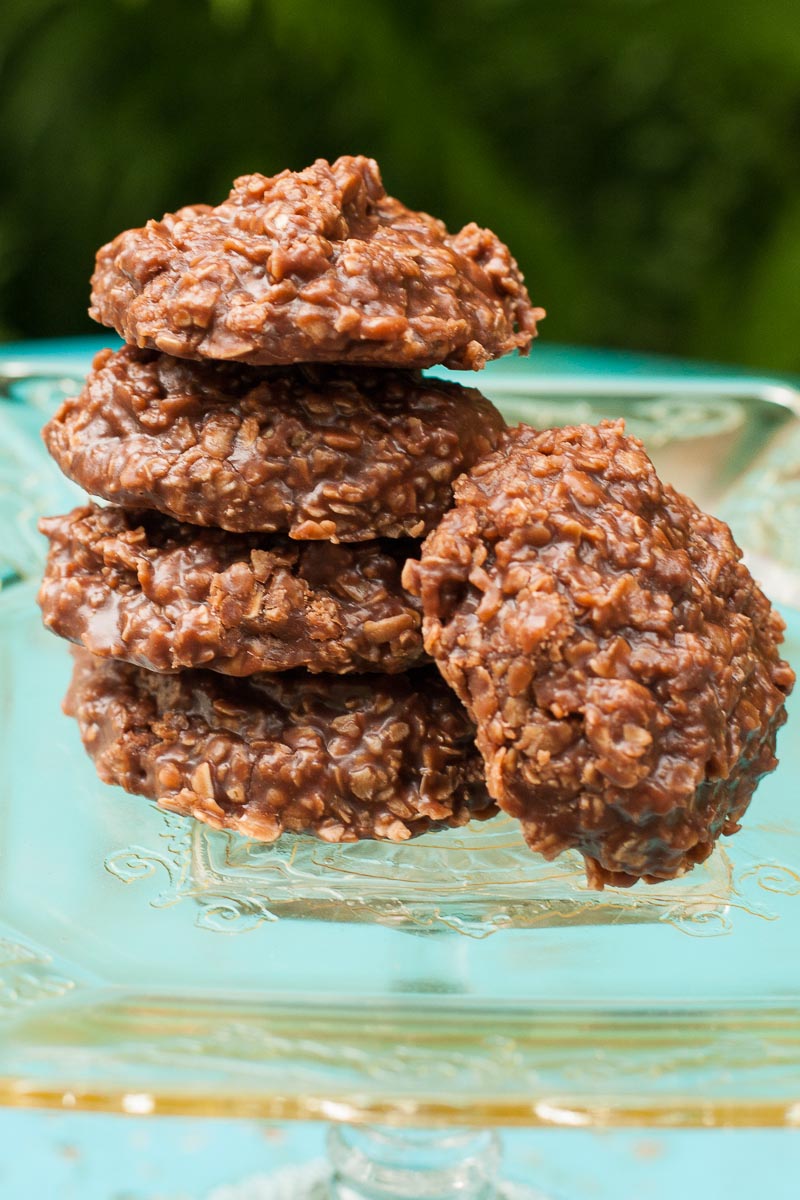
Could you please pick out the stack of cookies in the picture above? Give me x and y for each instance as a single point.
(253, 606)
(272, 457)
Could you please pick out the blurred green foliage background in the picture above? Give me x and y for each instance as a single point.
(640, 156)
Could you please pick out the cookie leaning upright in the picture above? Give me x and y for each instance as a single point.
(619, 661)
(317, 265)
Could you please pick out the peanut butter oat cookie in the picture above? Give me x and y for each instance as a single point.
(342, 758)
(140, 587)
(317, 265)
(340, 455)
(618, 659)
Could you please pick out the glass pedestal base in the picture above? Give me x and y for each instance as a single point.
(378, 1163)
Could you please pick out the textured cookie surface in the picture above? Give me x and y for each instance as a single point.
(619, 661)
(317, 265)
(140, 587)
(342, 758)
(318, 452)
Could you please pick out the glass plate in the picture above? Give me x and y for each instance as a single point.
(148, 963)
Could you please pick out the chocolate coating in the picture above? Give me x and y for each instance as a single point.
(387, 757)
(319, 452)
(619, 661)
(317, 265)
(140, 587)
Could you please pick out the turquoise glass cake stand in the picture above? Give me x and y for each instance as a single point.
(415, 996)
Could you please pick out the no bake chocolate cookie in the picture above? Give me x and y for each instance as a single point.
(342, 758)
(317, 265)
(318, 452)
(140, 587)
(619, 661)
